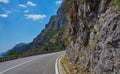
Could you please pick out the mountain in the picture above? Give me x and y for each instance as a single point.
(50, 38)
(18, 47)
(1, 54)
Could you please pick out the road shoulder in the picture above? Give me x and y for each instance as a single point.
(64, 66)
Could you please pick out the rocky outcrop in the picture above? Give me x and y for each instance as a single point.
(93, 42)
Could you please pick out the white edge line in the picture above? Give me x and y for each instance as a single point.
(17, 66)
(56, 65)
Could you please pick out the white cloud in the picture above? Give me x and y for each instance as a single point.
(7, 11)
(4, 15)
(22, 5)
(4, 1)
(27, 4)
(31, 3)
(58, 2)
(26, 11)
(35, 17)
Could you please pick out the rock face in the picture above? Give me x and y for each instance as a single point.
(93, 42)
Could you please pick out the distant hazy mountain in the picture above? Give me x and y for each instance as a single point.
(18, 47)
(1, 54)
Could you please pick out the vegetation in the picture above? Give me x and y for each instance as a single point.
(118, 4)
(54, 40)
(13, 53)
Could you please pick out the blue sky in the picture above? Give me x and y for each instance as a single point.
(23, 20)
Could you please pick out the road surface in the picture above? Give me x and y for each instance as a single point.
(40, 64)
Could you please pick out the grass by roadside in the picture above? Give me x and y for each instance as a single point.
(64, 65)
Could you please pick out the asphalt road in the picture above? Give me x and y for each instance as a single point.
(40, 64)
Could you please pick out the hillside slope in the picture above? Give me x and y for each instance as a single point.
(49, 39)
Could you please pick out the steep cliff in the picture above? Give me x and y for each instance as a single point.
(49, 39)
(93, 39)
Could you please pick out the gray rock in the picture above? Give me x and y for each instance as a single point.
(96, 38)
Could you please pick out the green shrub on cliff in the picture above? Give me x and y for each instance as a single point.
(15, 53)
(118, 4)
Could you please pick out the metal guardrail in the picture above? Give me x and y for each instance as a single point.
(8, 58)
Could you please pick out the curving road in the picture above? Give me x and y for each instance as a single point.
(40, 64)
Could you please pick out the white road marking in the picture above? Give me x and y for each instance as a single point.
(17, 65)
(56, 65)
